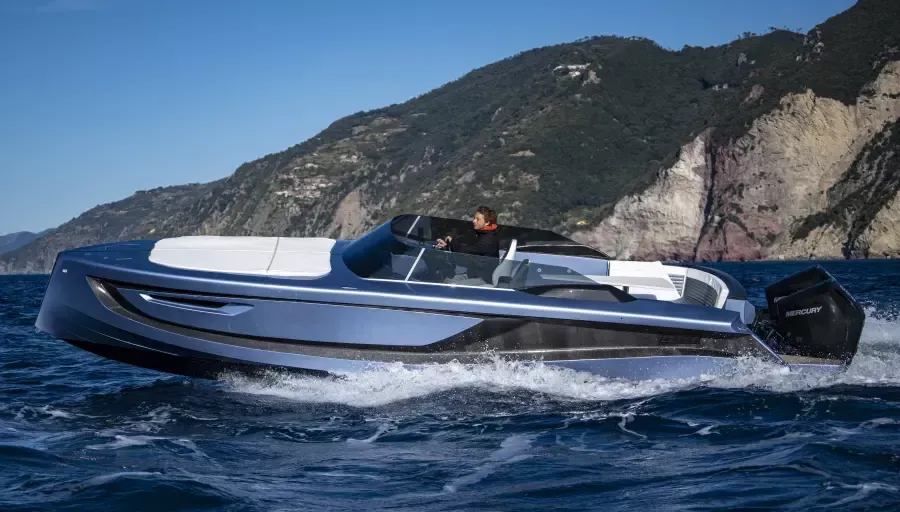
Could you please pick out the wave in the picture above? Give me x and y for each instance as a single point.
(877, 363)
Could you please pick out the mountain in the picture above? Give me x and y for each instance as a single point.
(165, 209)
(13, 241)
(808, 167)
(780, 145)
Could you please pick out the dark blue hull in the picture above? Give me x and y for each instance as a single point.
(112, 301)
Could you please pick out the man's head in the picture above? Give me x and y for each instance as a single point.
(484, 217)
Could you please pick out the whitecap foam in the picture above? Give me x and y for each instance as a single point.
(101, 480)
(382, 430)
(123, 441)
(877, 363)
(705, 431)
(155, 419)
(339, 474)
(396, 383)
(626, 419)
(56, 413)
(863, 491)
(512, 449)
(29, 411)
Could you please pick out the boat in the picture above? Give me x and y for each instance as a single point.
(203, 305)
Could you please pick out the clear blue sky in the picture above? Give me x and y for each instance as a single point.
(100, 98)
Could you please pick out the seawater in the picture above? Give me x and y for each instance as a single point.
(78, 432)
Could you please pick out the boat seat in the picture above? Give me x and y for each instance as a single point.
(301, 257)
(505, 268)
(641, 279)
(248, 255)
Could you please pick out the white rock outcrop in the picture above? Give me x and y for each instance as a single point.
(663, 221)
(786, 163)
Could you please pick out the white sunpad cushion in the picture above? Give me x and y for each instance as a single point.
(236, 262)
(305, 245)
(302, 257)
(272, 256)
(221, 243)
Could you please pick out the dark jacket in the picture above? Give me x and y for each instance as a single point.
(482, 243)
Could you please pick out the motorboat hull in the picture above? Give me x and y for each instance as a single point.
(123, 303)
(107, 310)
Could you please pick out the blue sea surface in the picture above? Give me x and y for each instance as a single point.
(78, 432)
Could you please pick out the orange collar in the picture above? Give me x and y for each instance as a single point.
(490, 227)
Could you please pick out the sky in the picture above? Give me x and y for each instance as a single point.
(101, 98)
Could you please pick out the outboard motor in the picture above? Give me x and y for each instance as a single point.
(811, 315)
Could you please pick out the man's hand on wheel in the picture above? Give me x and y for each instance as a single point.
(442, 243)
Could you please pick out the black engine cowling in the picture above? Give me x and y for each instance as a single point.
(813, 316)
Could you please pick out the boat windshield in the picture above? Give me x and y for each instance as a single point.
(403, 250)
(424, 228)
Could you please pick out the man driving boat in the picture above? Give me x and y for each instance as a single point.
(484, 242)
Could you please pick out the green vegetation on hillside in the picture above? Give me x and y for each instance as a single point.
(836, 59)
(550, 137)
(592, 140)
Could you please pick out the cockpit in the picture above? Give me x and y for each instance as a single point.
(404, 249)
(531, 260)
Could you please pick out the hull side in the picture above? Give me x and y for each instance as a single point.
(204, 334)
(634, 368)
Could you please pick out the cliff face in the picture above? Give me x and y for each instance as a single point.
(664, 221)
(772, 146)
(881, 238)
(862, 204)
(814, 178)
(789, 168)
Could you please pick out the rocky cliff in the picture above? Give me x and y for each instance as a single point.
(814, 178)
(664, 221)
(780, 145)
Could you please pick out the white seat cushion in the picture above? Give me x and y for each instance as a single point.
(286, 244)
(222, 243)
(642, 274)
(267, 256)
(643, 279)
(302, 257)
(214, 260)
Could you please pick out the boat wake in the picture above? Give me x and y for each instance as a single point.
(876, 363)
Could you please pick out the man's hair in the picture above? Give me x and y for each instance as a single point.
(490, 216)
